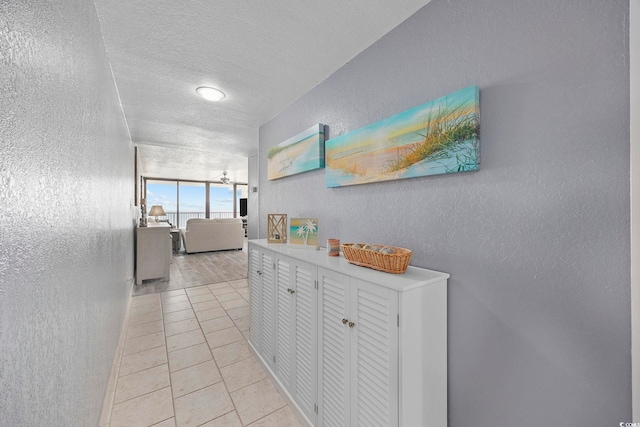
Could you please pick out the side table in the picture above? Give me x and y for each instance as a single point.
(175, 240)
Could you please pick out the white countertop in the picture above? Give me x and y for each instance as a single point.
(414, 277)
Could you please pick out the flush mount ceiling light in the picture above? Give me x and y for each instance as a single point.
(211, 93)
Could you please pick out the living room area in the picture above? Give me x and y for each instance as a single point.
(207, 227)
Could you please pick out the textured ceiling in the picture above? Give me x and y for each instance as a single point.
(262, 54)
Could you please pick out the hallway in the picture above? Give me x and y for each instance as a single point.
(186, 362)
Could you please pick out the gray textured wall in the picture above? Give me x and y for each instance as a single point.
(634, 71)
(536, 242)
(66, 240)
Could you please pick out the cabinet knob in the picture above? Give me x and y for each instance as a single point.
(344, 321)
(351, 324)
(258, 271)
(291, 291)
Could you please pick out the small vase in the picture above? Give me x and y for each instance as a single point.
(333, 247)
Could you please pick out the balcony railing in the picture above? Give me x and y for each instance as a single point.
(181, 220)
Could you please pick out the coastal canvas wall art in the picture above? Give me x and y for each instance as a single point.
(303, 231)
(301, 153)
(439, 137)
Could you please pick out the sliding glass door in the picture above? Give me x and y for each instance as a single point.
(192, 197)
(220, 200)
(183, 200)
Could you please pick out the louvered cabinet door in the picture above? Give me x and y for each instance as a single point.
(306, 374)
(255, 298)
(268, 308)
(374, 355)
(285, 323)
(333, 352)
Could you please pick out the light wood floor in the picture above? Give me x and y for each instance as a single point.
(191, 270)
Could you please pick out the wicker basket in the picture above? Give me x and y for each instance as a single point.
(396, 262)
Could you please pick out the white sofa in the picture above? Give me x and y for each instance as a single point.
(204, 235)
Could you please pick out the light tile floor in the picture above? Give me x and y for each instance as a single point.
(186, 362)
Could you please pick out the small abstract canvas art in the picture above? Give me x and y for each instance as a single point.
(303, 231)
(439, 137)
(301, 153)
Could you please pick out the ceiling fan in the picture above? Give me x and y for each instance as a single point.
(225, 179)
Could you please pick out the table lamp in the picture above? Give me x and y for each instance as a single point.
(156, 210)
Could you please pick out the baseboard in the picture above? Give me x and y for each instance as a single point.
(297, 411)
(107, 404)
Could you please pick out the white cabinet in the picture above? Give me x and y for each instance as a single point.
(374, 354)
(255, 292)
(296, 337)
(334, 347)
(262, 306)
(350, 346)
(358, 352)
(153, 252)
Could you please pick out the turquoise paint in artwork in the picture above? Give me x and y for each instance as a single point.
(303, 231)
(301, 153)
(439, 137)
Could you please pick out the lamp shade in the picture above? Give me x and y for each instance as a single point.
(156, 210)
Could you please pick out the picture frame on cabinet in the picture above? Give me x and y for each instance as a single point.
(304, 232)
(277, 228)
